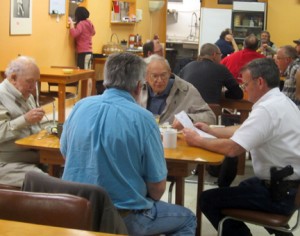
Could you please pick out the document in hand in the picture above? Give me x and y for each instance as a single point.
(183, 118)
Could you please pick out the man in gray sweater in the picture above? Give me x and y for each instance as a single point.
(166, 94)
(19, 117)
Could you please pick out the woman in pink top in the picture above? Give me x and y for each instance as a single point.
(82, 31)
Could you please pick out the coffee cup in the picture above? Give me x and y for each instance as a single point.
(170, 138)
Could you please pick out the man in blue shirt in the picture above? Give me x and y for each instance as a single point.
(111, 141)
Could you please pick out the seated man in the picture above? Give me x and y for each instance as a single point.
(152, 47)
(165, 94)
(226, 43)
(235, 61)
(118, 146)
(265, 45)
(209, 76)
(19, 117)
(271, 134)
(288, 63)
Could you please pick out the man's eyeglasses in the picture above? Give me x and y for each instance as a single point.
(163, 76)
(245, 84)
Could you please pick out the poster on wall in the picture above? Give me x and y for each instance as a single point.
(20, 17)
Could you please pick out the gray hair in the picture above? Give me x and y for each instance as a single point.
(265, 68)
(124, 71)
(289, 51)
(155, 57)
(251, 42)
(19, 65)
(207, 50)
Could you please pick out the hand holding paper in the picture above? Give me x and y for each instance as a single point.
(183, 118)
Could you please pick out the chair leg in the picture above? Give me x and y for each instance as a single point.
(170, 191)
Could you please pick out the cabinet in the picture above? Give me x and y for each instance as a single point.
(123, 12)
(248, 18)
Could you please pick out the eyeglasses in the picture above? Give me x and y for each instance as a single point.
(245, 84)
(163, 76)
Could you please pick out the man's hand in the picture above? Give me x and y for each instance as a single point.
(177, 125)
(192, 137)
(35, 115)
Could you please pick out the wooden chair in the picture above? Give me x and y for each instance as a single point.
(265, 219)
(61, 210)
(217, 109)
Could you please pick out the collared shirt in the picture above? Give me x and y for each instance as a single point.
(157, 102)
(289, 87)
(110, 141)
(271, 134)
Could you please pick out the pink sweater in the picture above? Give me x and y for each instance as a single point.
(83, 33)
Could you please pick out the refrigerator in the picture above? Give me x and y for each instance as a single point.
(248, 18)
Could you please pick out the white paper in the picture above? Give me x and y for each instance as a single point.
(183, 118)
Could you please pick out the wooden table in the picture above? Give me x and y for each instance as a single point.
(244, 107)
(15, 228)
(180, 162)
(56, 75)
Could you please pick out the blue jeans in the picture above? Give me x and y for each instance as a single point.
(162, 218)
(251, 194)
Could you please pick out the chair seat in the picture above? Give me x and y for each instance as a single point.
(263, 218)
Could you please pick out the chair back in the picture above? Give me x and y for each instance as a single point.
(217, 109)
(61, 210)
(105, 217)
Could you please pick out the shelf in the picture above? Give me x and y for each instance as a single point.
(124, 10)
(122, 23)
(245, 26)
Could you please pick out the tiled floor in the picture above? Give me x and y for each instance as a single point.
(190, 202)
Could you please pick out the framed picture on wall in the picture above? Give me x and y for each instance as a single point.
(20, 17)
(231, 1)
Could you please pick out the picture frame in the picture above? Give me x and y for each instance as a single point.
(20, 17)
(225, 2)
(231, 1)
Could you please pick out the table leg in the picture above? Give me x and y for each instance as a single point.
(200, 170)
(61, 102)
(179, 198)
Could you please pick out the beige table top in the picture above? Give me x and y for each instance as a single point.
(14, 228)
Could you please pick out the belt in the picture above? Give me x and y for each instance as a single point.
(125, 212)
(286, 183)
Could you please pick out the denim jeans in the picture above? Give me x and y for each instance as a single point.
(251, 194)
(162, 218)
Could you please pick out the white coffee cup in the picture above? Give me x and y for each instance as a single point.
(170, 138)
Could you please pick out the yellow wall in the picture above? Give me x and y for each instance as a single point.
(283, 21)
(50, 43)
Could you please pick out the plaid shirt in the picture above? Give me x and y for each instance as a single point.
(289, 88)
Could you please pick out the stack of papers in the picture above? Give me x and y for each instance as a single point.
(183, 118)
